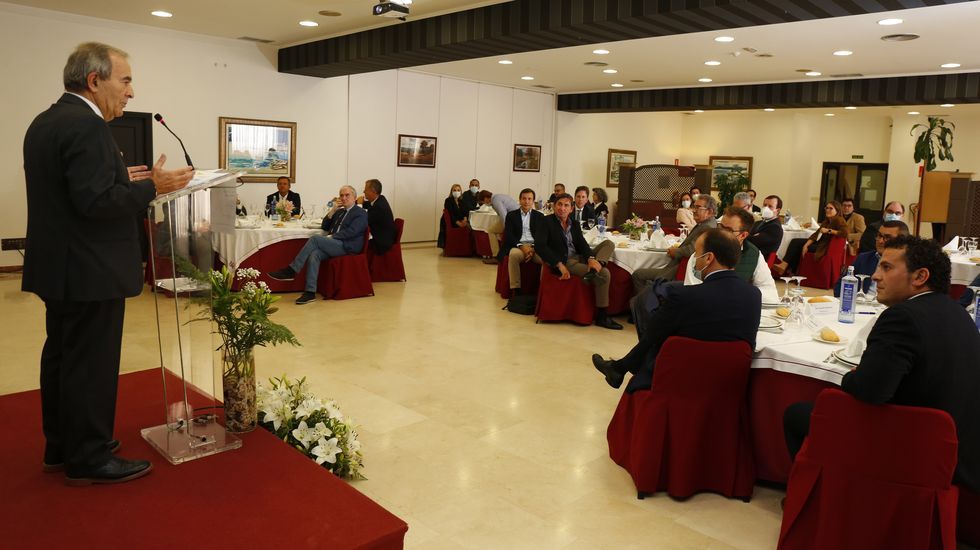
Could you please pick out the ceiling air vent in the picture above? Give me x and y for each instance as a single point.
(542, 86)
(253, 39)
(899, 37)
(595, 64)
(847, 75)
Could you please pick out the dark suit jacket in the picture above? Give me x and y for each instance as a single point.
(923, 352)
(869, 236)
(550, 243)
(82, 239)
(514, 228)
(588, 213)
(348, 229)
(724, 308)
(271, 200)
(468, 201)
(382, 224)
(766, 235)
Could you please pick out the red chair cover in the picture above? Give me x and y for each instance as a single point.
(823, 274)
(388, 267)
(530, 278)
(968, 518)
(955, 292)
(682, 268)
(620, 289)
(771, 259)
(872, 476)
(481, 243)
(347, 276)
(690, 431)
(569, 300)
(458, 239)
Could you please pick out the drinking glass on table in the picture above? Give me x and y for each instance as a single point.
(786, 297)
(971, 245)
(861, 296)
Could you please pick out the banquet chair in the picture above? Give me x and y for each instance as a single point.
(481, 243)
(825, 272)
(872, 476)
(620, 289)
(530, 278)
(388, 267)
(458, 239)
(968, 517)
(682, 268)
(690, 431)
(344, 277)
(570, 300)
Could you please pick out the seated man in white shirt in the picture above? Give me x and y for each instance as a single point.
(751, 266)
(519, 238)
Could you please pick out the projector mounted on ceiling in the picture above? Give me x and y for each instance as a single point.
(392, 8)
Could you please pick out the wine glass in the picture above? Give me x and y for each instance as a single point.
(860, 296)
(971, 245)
(799, 280)
(872, 293)
(786, 298)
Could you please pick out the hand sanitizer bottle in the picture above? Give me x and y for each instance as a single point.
(848, 291)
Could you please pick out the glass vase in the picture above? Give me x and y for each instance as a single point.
(635, 235)
(238, 384)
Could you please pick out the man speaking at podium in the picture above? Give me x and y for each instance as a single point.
(83, 259)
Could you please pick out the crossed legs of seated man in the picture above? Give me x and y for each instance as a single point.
(316, 249)
(518, 256)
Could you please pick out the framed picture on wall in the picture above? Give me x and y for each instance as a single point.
(264, 149)
(616, 158)
(724, 165)
(527, 158)
(417, 151)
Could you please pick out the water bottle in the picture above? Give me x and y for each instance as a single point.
(656, 224)
(602, 225)
(848, 290)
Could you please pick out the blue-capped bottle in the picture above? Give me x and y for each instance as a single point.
(601, 222)
(848, 293)
(976, 306)
(656, 223)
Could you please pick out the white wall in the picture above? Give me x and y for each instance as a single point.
(346, 127)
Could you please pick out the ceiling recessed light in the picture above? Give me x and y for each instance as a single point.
(309, 23)
(600, 52)
(616, 85)
(913, 112)
(704, 80)
(505, 62)
(890, 21)
(843, 53)
(712, 63)
(850, 107)
(698, 111)
(769, 109)
(813, 73)
(947, 105)
(527, 78)
(161, 13)
(950, 65)
(828, 114)
(610, 71)
(724, 39)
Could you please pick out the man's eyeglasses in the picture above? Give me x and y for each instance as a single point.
(729, 229)
(696, 207)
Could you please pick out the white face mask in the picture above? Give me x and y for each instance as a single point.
(699, 273)
(695, 196)
(685, 204)
(892, 217)
(456, 194)
(767, 213)
(474, 189)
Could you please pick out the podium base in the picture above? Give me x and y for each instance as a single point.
(179, 446)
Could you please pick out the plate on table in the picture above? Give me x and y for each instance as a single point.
(771, 305)
(769, 323)
(846, 359)
(818, 338)
(654, 249)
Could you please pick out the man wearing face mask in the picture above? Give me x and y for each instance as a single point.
(468, 200)
(894, 211)
(695, 193)
(723, 309)
(767, 233)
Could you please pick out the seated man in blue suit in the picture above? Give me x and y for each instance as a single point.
(724, 308)
(345, 225)
(283, 185)
(866, 262)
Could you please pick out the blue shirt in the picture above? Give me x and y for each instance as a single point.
(865, 264)
(572, 253)
(526, 237)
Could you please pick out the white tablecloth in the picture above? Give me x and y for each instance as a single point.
(634, 257)
(482, 221)
(963, 270)
(789, 235)
(234, 247)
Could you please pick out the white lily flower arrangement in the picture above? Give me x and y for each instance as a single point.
(315, 427)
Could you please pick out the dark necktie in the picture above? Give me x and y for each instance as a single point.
(340, 222)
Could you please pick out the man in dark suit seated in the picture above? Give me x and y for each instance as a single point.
(893, 212)
(724, 308)
(559, 190)
(345, 225)
(468, 200)
(563, 249)
(767, 233)
(867, 262)
(584, 213)
(922, 351)
(380, 219)
(519, 228)
(283, 185)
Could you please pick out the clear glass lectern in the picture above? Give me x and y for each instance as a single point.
(179, 229)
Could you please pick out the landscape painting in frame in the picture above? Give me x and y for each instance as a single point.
(417, 151)
(614, 159)
(527, 158)
(264, 149)
(725, 165)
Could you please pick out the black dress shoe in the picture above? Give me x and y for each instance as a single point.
(53, 464)
(613, 377)
(306, 298)
(590, 276)
(284, 274)
(116, 470)
(607, 322)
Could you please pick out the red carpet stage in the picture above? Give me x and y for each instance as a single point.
(264, 495)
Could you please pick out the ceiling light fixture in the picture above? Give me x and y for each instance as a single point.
(698, 111)
(616, 85)
(828, 114)
(912, 112)
(601, 52)
(161, 13)
(712, 63)
(309, 23)
(505, 62)
(813, 73)
(610, 71)
(704, 80)
(947, 105)
(527, 78)
(890, 21)
(769, 109)
(724, 39)
(950, 65)
(850, 107)
(843, 53)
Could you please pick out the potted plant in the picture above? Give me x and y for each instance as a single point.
(935, 141)
(242, 320)
(729, 184)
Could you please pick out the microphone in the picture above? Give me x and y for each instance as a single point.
(159, 118)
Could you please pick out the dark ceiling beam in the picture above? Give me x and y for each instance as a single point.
(532, 25)
(863, 92)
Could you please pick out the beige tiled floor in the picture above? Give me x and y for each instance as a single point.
(480, 428)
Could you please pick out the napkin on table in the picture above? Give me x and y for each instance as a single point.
(860, 342)
(813, 223)
(658, 240)
(953, 245)
(792, 224)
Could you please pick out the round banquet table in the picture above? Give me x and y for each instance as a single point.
(964, 270)
(788, 236)
(481, 220)
(265, 248)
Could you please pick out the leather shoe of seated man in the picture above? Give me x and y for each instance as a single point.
(53, 462)
(605, 321)
(613, 377)
(590, 276)
(115, 470)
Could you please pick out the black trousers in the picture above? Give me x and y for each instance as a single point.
(796, 425)
(79, 378)
(795, 252)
